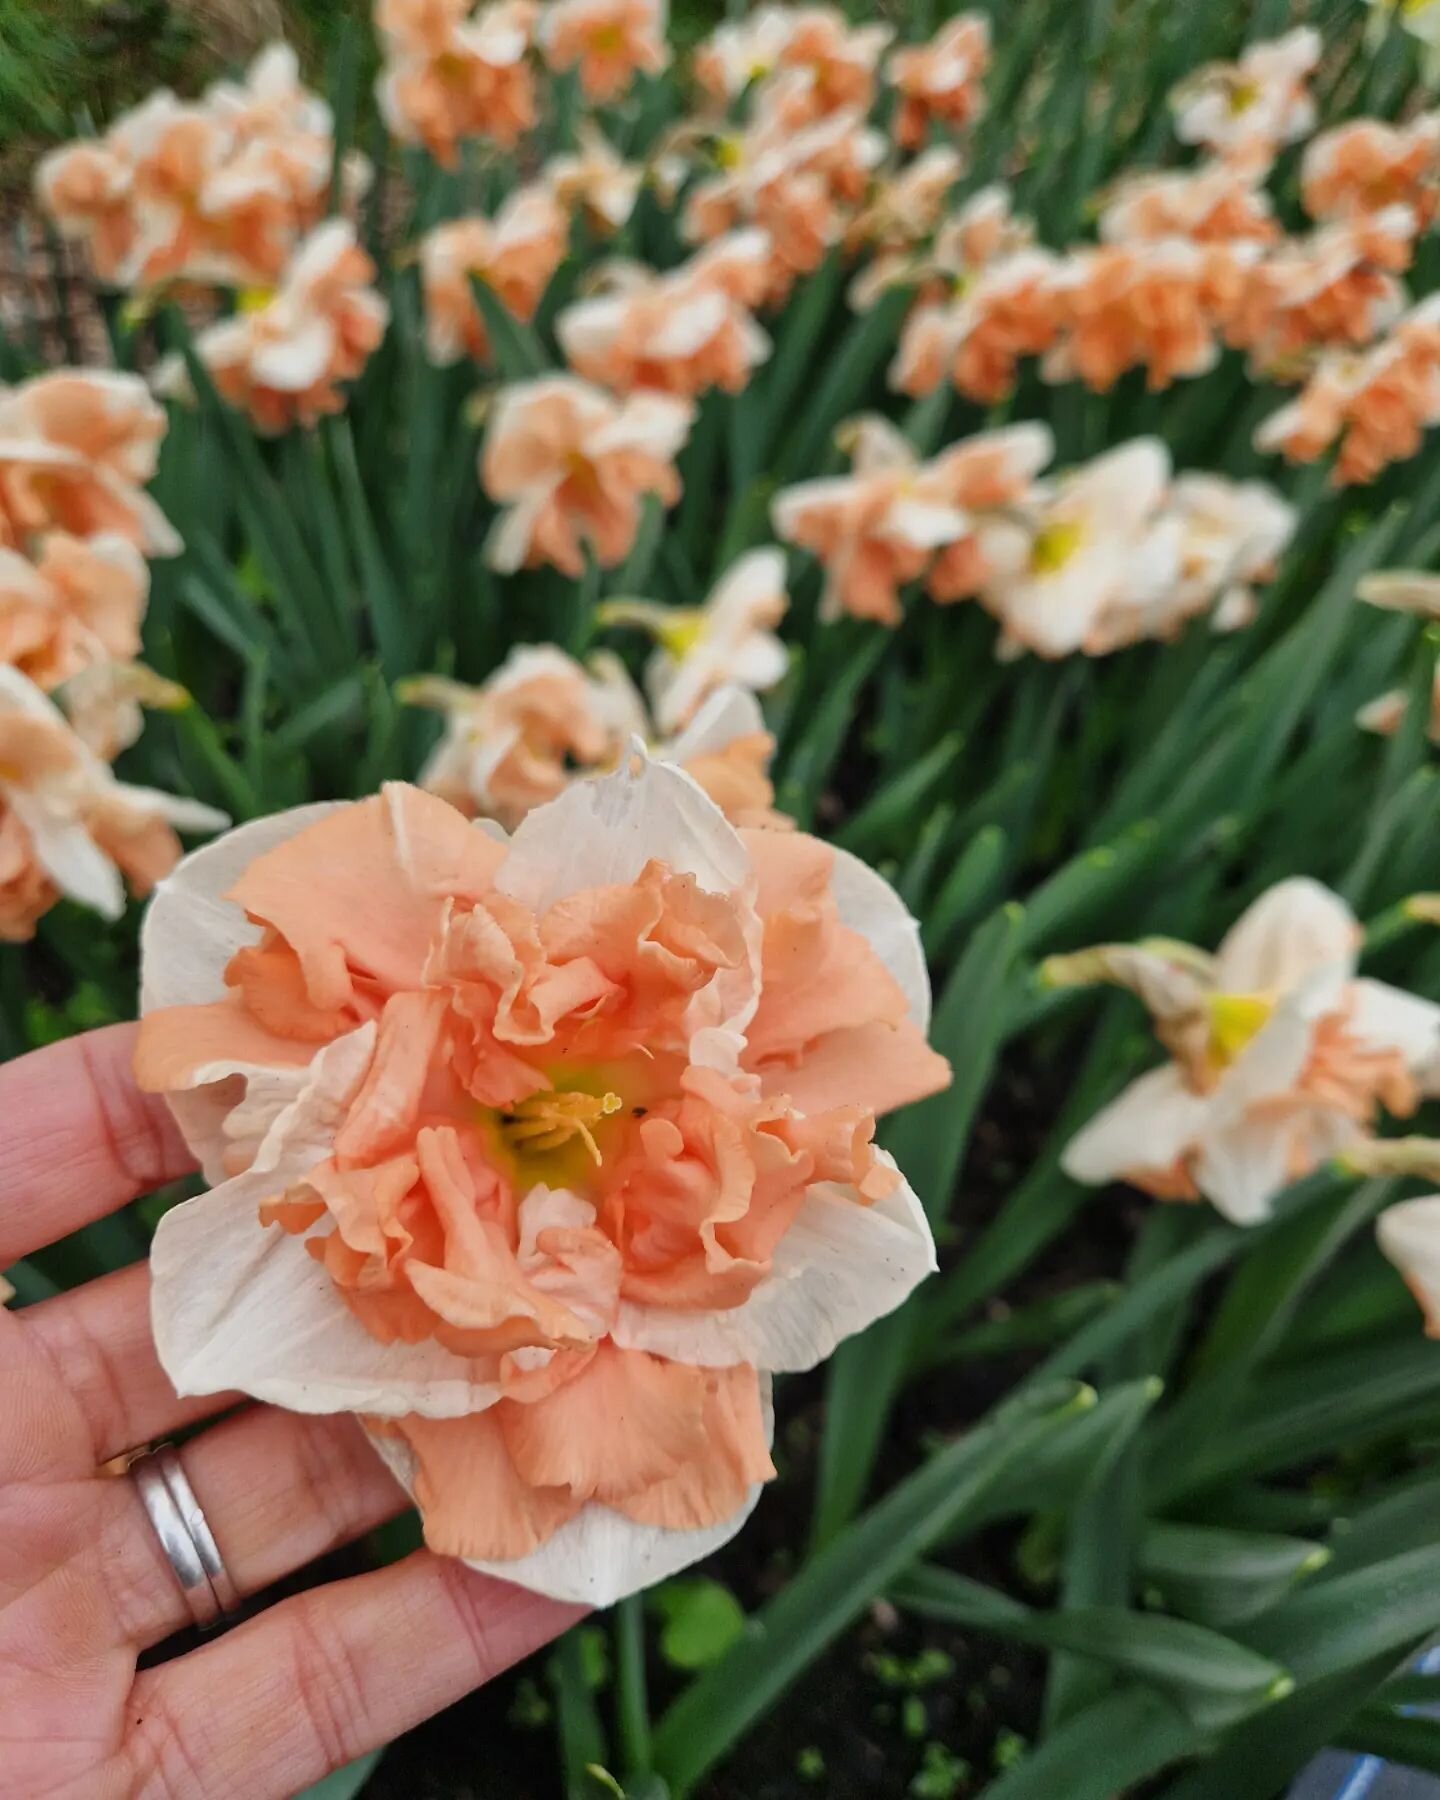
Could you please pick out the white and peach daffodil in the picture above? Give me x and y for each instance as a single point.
(1247, 111)
(67, 826)
(80, 602)
(540, 1154)
(873, 530)
(76, 449)
(448, 74)
(594, 180)
(941, 82)
(608, 41)
(1367, 164)
(683, 332)
(1280, 1055)
(729, 641)
(1095, 541)
(516, 741)
(570, 465)
(742, 51)
(514, 254)
(283, 356)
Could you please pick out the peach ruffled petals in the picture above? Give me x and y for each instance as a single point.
(472, 1103)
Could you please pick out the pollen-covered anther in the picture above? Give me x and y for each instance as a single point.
(548, 1121)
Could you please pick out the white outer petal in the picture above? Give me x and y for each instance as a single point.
(1149, 1125)
(191, 931)
(1387, 1018)
(1290, 931)
(1409, 1235)
(841, 1266)
(605, 830)
(600, 1556)
(869, 905)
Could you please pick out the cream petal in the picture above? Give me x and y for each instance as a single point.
(1409, 1235)
(726, 714)
(1293, 929)
(1151, 1125)
(868, 904)
(841, 1266)
(1386, 1018)
(600, 1556)
(268, 1320)
(191, 931)
(1244, 1164)
(604, 831)
(70, 857)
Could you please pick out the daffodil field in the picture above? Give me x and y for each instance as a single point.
(1001, 446)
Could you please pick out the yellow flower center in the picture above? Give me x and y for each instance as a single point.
(1055, 545)
(728, 153)
(549, 1121)
(1410, 9)
(253, 299)
(609, 40)
(1234, 1020)
(1244, 94)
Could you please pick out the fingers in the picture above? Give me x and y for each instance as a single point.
(78, 1139)
(278, 1490)
(324, 1677)
(98, 1338)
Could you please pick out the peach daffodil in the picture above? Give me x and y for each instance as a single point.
(513, 743)
(514, 254)
(683, 332)
(1280, 1055)
(1214, 203)
(594, 180)
(76, 449)
(826, 65)
(448, 74)
(873, 530)
(283, 356)
(1367, 164)
(79, 603)
(729, 641)
(67, 826)
(570, 465)
(1373, 406)
(541, 1153)
(608, 41)
(941, 82)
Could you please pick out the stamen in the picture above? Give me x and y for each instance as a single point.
(548, 1121)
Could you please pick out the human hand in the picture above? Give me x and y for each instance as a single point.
(274, 1704)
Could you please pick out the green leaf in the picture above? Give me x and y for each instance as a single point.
(1397, 1737)
(344, 1783)
(515, 346)
(1221, 1577)
(701, 1620)
(840, 1581)
(1103, 1751)
(1212, 1679)
(928, 1142)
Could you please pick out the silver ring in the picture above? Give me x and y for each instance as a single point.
(184, 1533)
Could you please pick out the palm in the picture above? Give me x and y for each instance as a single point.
(84, 1585)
